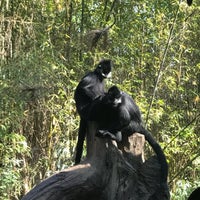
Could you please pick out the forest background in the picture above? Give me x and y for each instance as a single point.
(46, 46)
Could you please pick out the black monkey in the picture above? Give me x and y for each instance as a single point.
(89, 88)
(195, 195)
(189, 2)
(118, 115)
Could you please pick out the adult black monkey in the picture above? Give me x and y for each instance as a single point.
(89, 88)
(118, 115)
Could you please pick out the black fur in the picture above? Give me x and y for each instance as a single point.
(89, 88)
(118, 115)
(189, 2)
(195, 195)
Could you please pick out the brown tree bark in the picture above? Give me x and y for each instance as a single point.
(108, 173)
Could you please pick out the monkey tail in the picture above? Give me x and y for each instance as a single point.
(160, 154)
(81, 138)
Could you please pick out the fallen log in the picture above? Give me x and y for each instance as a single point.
(109, 172)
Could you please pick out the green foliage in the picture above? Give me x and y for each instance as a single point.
(13, 148)
(184, 189)
(44, 51)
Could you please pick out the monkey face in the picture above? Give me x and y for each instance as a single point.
(105, 66)
(114, 96)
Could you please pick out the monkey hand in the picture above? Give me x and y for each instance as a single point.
(103, 133)
(107, 134)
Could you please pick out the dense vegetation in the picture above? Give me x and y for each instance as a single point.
(47, 45)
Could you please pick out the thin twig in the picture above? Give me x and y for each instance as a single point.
(162, 68)
(185, 167)
(179, 133)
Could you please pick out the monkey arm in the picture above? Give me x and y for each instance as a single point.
(92, 87)
(119, 120)
(114, 124)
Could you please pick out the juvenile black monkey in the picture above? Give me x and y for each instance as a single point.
(118, 115)
(89, 88)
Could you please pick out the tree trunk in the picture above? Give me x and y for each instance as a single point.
(108, 173)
